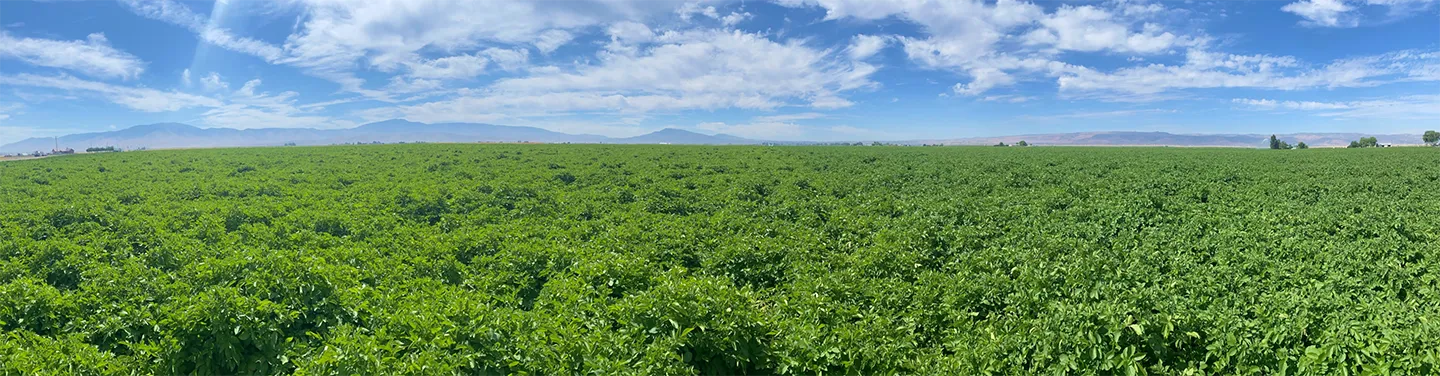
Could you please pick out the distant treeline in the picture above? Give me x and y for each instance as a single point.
(100, 150)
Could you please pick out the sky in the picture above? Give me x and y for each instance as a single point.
(822, 70)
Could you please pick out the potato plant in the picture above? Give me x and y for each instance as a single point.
(684, 260)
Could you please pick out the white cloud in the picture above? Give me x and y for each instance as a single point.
(1090, 29)
(1008, 98)
(1331, 13)
(689, 10)
(1293, 105)
(412, 85)
(508, 59)
(1001, 43)
(213, 82)
(734, 18)
(983, 79)
(247, 108)
(701, 69)
(337, 38)
(138, 98)
(630, 32)
(185, 77)
(242, 108)
(549, 104)
(450, 67)
(181, 15)
(551, 39)
(92, 57)
(1211, 70)
(1348, 13)
(865, 46)
(1412, 107)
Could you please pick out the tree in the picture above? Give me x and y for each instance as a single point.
(1274, 142)
(1365, 142)
(1002, 143)
(1432, 138)
(1022, 143)
(1302, 145)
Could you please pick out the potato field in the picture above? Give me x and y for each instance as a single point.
(469, 259)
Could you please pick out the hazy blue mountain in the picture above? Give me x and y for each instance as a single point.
(175, 135)
(680, 136)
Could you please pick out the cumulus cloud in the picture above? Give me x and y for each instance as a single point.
(734, 18)
(213, 82)
(1001, 43)
(92, 57)
(337, 37)
(1331, 13)
(735, 67)
(450, 67)
(1091, 29)
(701, 69)
(449, 60)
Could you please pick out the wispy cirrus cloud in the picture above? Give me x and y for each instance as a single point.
(1347, 13)
(93, 56)
(1412, 107)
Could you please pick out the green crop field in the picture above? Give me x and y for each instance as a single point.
(592, 259)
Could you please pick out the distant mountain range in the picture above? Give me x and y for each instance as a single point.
(175, 135)
(1171, 139)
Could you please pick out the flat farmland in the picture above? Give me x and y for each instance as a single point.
(654, 259)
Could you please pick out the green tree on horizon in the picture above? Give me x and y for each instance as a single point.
(1365, 142)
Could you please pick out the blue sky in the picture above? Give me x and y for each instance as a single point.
(783, 69)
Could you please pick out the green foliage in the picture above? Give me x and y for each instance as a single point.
(1302, 145)
(1365, 142)
(1022, 143)
(433, 259)
(1277, 144)
(1431, 137)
